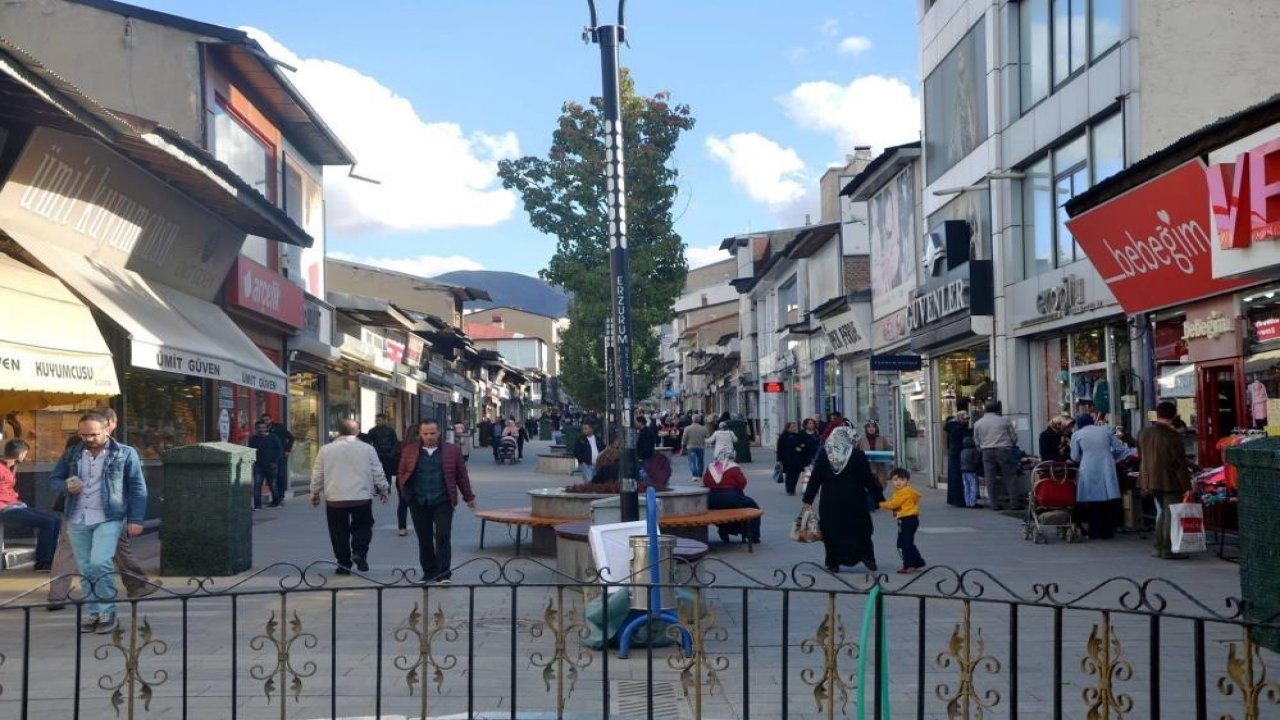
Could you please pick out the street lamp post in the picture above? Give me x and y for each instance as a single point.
(608, 37)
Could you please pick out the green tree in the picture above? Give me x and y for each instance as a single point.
(564, 195)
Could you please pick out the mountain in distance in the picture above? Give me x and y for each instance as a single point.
(510, 289)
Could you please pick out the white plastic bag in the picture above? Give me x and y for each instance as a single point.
(1186, 527)
(805, 528)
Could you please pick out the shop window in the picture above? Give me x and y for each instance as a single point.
(160, 413)
(1262, 363)
(1054, 179)
(1059, 38)
(304, 421)
(788, 303)
(46, 431)
(240, 149)
(964, 381)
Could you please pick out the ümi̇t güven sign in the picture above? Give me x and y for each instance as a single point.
(1152, 245)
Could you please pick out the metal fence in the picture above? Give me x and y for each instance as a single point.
(519, 640)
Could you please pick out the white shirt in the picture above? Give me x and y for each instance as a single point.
(595, 449)
(89, 505)
(348, 469)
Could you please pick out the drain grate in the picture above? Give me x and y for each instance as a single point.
(630, 698)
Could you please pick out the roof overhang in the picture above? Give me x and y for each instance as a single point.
(373, 312)
(881, 170)
(811, 240)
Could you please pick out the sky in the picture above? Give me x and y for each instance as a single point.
(430, 94)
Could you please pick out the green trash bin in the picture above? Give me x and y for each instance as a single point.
(544, 429)
(207, 510)
(1258, 473)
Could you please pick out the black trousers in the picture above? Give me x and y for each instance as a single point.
(402, 510)
(433, 524)
(907, 528)
(350, 531)
(791, 476)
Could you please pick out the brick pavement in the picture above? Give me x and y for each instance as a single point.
(483, 650)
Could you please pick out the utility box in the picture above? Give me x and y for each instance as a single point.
(207, 510)
(1258, 471)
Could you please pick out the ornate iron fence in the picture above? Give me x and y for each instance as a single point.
(520, 640)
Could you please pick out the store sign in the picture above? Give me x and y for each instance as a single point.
(1152, 245)
(378, 342)
(896, 363)
(357, 349)
(317, 319)
(259, 381)
(261, 290)
(376, 384)
(74, 193)
(1245, 204)
(1267, 330)
(1212, 326)
(847, 332)
(393, 347)
(413, 351)
(1065, 298)
(772, 387)
(890, 330)
(933, 306)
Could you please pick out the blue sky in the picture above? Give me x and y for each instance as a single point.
(780, 90)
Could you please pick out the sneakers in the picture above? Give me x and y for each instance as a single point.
(342, 570)
(361, 564)
(90, 623)
(404, 531)
(106, 624)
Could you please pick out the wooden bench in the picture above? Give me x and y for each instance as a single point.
(519, 518)
(522, 517)
(712, 517)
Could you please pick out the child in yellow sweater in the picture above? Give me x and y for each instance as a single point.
(905, 504)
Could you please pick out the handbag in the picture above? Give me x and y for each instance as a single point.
(59, 503)
(779, 475)
(805, 528)
(1186, 527)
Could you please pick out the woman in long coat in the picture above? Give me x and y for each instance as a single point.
(956, 430)
(1096, 450)
(844, 476)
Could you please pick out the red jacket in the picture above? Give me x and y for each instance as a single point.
(732, 479)
(8, 487)
(455, 470)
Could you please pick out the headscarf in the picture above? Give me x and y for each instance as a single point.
(722, 464)
(839, 447)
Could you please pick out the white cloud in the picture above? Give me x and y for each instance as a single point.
(434, 175)
(854, 45)
(830, 27)
(872, 110)
(422, 266)
(766, 171)
(699, 256)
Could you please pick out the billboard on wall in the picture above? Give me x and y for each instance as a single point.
(955, 103)
(893, 250)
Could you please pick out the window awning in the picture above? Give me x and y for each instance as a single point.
(169, 330)
(51, 352)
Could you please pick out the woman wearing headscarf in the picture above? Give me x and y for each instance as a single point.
(793, 453)
(844, 476)
(812, 441)
(1055, 444)
(722, 438)
(1096, 450)
(727, 485)
(956, 430)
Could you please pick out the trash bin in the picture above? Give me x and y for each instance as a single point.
(1258, 474)
(207, 510)
(544, 429)
(742, 445)
(640, 569)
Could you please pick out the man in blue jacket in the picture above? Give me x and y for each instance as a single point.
(106, 496)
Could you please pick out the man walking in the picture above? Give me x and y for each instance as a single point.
(1163, 473)
(995, 437)
(107, 496)
(136, 582)
(386, 443)
(266, 466)
(281, 481)
(586, 451)
(431, 474)
(348, 473)
(694, 442)
(17, 514)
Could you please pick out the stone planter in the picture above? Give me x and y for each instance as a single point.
(557, 464)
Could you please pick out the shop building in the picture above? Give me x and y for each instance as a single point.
(1184, 240)
(142, 227)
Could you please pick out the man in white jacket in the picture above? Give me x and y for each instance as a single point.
(349, 473)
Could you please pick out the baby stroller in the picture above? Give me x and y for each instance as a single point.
(508, 450)
(1052, 503)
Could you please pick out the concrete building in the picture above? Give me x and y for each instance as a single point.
(529, 324)
(1026, 105)
(699, 366)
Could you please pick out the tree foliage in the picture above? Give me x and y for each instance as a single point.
(564, 196)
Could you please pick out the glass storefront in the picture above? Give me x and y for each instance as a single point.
(342, 401)
(1175, 381)
(915, 419)
(161, 412)
(1262, 358)
(1087, 371)
(304, 420)
(47, 430)
(964, 380)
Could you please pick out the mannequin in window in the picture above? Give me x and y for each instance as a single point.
(1257, 394)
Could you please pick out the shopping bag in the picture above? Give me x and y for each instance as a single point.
(803, 483)
(779, 475)
(805, 528)
(1186, 527)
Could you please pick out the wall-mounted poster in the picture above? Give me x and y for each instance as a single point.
(893, 236)
(955, 103)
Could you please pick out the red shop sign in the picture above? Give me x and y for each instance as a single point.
(1152, 245)
(774, 387)
(261, 290)
(1267, 329)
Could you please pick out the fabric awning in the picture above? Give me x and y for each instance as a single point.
(169, 330)
(51, 352)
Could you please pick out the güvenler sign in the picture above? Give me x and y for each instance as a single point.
(935, 305)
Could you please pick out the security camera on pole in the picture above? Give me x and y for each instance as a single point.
(608, 37)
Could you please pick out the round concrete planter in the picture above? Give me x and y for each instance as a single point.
(554, 464)
(555, 502)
